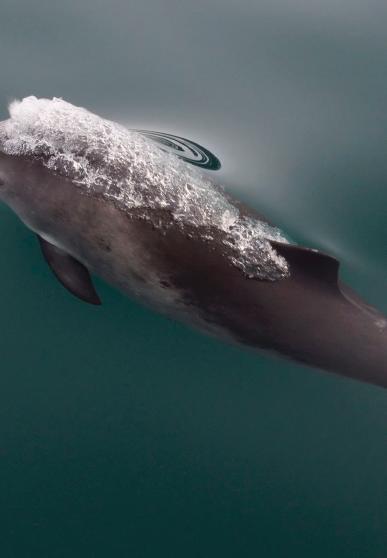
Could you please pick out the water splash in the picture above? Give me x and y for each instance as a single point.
(128, 168)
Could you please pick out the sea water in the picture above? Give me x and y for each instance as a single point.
(125, 434)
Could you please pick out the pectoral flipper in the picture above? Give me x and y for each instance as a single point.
(70, 272)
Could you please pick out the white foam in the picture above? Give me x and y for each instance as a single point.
(124, 166)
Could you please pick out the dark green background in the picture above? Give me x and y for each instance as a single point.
(125, 434)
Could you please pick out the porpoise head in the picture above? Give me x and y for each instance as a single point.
(50, 139)
(9, 175)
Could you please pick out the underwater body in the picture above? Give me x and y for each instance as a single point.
(108, 200)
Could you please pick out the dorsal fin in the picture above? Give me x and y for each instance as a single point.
(310, 262)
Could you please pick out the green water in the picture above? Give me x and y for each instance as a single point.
(125, 434)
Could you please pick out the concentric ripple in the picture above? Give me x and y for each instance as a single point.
(187, 150)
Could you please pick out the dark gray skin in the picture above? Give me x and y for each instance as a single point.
(309, 317)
